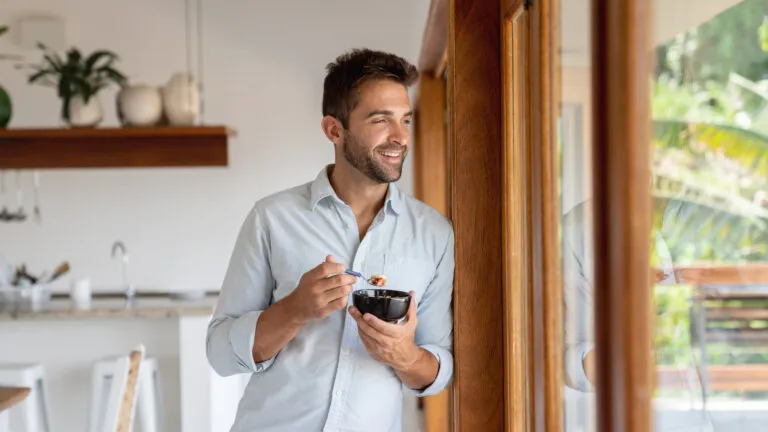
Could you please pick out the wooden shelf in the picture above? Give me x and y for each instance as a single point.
(131, 147)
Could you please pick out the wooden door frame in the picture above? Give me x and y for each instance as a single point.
(621, 63)
(621, 67)
(474, 98)
(534, 392)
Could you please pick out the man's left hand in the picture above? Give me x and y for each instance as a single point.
(390, 344)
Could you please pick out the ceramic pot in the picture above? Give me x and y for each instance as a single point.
(83, 114)
(181, 100)
(6, 108)
(140, 105)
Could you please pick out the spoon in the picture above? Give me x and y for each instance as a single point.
(375, 280)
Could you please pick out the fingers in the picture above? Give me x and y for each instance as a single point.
(328, 268)
(337, 293)
(381, 327)
(335, 305)
(364, 326)
(336, 281)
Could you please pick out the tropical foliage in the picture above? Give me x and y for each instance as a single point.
(710, 140)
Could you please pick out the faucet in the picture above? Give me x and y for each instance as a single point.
(118, 246)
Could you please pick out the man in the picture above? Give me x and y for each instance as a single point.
(284, 313)
(578, 276)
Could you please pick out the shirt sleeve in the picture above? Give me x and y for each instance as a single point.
(434, 332)
(245, 293)
(578, 295)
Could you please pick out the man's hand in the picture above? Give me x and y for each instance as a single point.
(589, 366)
(394, 346)
(321, 292)
(317, 296)
(390, 344)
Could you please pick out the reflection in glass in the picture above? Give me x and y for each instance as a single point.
(574, 138)
(710, 178)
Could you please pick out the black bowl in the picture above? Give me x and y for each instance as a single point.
(385, 304)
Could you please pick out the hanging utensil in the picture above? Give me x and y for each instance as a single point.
(36, 210)
(5, 215)
(20, 214)
(59, 271)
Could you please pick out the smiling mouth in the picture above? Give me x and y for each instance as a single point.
(391, 156)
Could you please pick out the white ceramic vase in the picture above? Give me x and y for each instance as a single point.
(181, 100)
(140, 105)
(83, 114)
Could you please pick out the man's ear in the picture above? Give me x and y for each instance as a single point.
(333, 129)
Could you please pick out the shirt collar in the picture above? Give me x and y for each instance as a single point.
(321, 188)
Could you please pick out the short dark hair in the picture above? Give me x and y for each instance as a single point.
(351, 70)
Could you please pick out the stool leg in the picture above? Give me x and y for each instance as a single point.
(147, 402)
(99, 391)
(30, 417)
(4, 422)
(44, 411)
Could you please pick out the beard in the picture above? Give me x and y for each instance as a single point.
(364, 161)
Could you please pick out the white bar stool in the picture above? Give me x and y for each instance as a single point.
(147, 408)
(33, 414)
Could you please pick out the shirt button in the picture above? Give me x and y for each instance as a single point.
(347, 351)
(338, 393)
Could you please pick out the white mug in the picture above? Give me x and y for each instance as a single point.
(80, 292)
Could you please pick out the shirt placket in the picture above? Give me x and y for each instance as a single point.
(349, 339)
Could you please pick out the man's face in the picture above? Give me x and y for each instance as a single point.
(378, 137)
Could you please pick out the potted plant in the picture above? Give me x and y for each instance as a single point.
(78, 80)
(6, 108)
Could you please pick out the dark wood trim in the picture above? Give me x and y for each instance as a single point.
(547, 284)
(434, 44)
(474, 97)
(431, 146)
(533, 286)
(114, 147)
(621, 65)
(432, 187)
(516, 219)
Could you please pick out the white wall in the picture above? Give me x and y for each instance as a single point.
(263, 69)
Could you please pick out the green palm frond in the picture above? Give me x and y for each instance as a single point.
(706, 179)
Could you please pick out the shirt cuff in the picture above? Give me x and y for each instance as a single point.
(241, 336)
(444, 371)
(575, 375)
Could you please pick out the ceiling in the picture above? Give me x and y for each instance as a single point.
(670, 18)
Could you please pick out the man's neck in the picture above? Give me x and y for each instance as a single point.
(362, 194)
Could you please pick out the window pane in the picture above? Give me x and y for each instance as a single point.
(574, 141)
(710, 215)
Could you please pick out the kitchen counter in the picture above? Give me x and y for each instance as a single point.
(112, 306)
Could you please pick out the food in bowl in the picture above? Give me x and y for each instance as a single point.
(385, 304)
(378, 280)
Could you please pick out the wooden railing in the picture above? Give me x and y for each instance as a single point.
(725, 377)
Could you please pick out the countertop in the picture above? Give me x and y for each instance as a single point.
(111, 306)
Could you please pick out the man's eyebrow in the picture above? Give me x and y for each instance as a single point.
(387, 113)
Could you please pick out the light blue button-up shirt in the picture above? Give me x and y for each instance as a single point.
(324, 379)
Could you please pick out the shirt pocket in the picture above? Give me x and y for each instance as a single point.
(403, 272)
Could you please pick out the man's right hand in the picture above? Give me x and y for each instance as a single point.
(321, 291)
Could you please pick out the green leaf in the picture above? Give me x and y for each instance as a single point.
(39, 75)
(93, 59)
(65, 87)
(113, 74)
(74, 56)
(3, 30)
